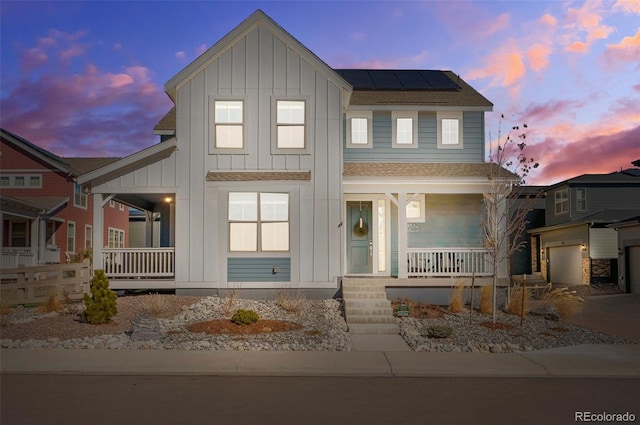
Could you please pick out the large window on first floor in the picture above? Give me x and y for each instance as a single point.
(258, 221)
(71, 236)
(88, 236)
(116, 238)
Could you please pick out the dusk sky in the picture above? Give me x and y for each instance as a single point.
(86, 78)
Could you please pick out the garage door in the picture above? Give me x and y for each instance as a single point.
(634, 269)
(565, 264)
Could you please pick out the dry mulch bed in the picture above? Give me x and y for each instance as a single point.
(225, 326)
(419, 310)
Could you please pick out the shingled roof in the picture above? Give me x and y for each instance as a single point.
(85, 165)
(413, 169)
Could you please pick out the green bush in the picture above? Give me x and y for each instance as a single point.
(440, 331)
(102, 304)
(244, 317)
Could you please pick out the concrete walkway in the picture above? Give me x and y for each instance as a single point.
(578, 361)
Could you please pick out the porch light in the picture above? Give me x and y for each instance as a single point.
(583, 247)
(168, 199)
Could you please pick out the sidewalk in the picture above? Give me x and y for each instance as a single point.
(621, 361)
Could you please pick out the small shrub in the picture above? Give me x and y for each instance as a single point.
(456, 305)
(102, 304)
(290, 302)
(155, 305)
(565, 300)
(439, 331)
(53, 304)
(5, 305)
(515, 304)
(229, 303)
(486, 299)
(244, 317)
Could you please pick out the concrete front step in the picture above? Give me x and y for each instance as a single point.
(363, 288)
(374, 329)
(370, 311)
(359, 318)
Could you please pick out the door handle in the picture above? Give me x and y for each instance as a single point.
(370, 248)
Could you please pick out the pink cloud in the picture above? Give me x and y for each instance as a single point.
(504, 67)
(584, 24)
(628, 50)
(590, 155)
(544, 113)
(180, 55)
(32, 59)
(538, 56)
(628, 6)
(549, 20)
(91, 113)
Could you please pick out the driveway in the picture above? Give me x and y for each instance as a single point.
(617, 315)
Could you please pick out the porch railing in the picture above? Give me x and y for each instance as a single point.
(132, 263)
(14, 257)
(434, 262)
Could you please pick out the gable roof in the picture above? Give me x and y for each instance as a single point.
(257, 18)
(72, 166)
(599, 179)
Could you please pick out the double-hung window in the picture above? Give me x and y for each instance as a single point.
(405, 129)
(290, 124)
(562, 201)
(359, 129)
(581, 199)
(71, 236)
(116, 238)
(449, 130)
(229, 124)
(416, 209)
(79, 196)
(258, 222)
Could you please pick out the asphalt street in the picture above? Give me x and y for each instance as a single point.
(181, 400)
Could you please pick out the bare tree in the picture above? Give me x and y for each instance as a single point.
(503, 226)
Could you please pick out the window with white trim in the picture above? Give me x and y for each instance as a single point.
(258, 222)
(116, 238)
(416, 209)
(228, 118)
(121, 206)
(19, 234)
(79, 196)
(359, 129)
(25, 181)
(50, 234)
(71, 236)
(581, 199)
(449, 130)
(405, 129)
(290, 124)
(561, 198)
(88, 236)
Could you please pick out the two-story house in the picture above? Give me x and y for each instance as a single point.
(46, 216)
(275, 170)
(579, 244)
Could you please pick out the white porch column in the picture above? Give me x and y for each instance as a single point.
(149, 217)
(98, 231)
(403, 271)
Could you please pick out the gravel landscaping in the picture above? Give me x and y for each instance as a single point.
(202, 323)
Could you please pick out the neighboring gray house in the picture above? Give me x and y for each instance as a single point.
(579, 243)
(276, 171)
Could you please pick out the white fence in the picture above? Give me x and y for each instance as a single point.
(11, 258)
(133, 263)
(428, 262)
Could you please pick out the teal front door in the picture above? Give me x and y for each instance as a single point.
(359, 237)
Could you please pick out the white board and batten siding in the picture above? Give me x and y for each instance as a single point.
(261, 65)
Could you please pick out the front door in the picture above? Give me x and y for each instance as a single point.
(359, 237)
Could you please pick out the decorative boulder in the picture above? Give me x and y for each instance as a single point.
(546, 310)
(145, 328)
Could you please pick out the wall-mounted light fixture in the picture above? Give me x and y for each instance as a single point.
(168, 199)
(274, 270)
(583, 247)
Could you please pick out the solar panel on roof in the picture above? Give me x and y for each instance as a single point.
(398, 79)
(439, 80)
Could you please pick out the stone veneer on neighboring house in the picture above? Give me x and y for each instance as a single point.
(586, 271)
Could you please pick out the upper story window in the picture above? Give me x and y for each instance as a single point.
(28, 181)
(229, 124)
(562, 201)
(405, 129)
(290, 123)
(581, 199)
(359, 129)
(79, 196)
(449, 130)
(258, 220)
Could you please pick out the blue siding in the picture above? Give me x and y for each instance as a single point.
(427, 150)
(258, 269)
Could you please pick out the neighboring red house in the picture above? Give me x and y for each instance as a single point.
(46, 216)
